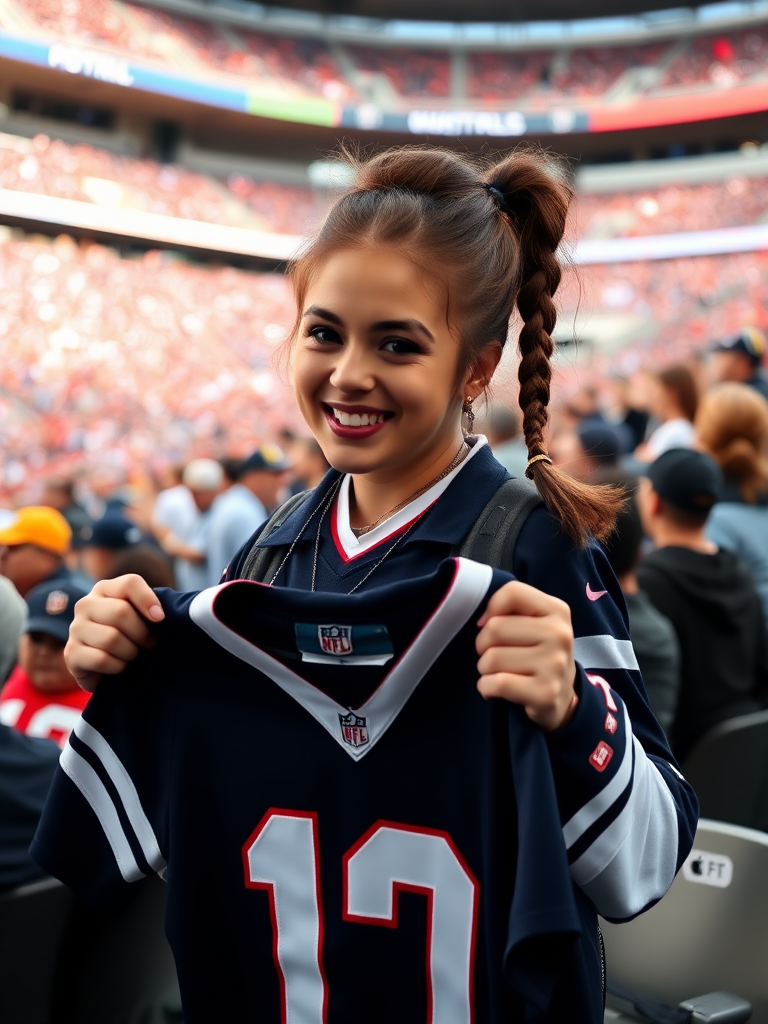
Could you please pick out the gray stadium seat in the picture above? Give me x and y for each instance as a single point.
(709, 933)
(728, 769)
(63, 963)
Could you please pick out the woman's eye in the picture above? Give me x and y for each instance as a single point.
(401, 346)
(326, 334)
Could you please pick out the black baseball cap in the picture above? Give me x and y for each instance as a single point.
(688, 480)
(113, 532)
(51, 607)
(749, 342)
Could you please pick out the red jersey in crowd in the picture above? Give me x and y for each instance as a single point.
(50, 715)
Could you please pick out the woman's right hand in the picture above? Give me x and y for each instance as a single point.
(110, 627)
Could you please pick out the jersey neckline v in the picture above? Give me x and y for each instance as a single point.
(462, 585)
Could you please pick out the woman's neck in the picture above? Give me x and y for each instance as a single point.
(373, 496)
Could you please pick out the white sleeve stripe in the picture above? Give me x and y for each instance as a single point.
(634, 861)
(95, 792)
(127, 791)
(596, 652)
(587, 815)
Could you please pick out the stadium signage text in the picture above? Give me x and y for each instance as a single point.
(467, 122)
(103, 66)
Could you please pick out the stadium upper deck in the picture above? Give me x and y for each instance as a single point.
(685, 72)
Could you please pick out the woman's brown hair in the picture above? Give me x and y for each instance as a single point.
(492, 231)
(732, 427)
(681, 383)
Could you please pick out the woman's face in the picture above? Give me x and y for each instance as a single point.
(375, 365)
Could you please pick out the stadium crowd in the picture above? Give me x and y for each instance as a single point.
(56, 168)
(306, 66)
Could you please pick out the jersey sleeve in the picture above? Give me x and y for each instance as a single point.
(105, 821)
(628, 815)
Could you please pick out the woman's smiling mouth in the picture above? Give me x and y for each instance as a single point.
(355, 421)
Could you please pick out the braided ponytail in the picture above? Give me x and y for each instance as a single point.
(492, 235)
(536, 203)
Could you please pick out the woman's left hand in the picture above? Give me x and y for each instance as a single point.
(526, 653)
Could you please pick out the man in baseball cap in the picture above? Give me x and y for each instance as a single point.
(241, 509)
(41, 698)
(739, 359)
(707, 593)
(32, 547)
(101, 543)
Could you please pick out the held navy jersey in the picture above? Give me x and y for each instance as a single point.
(625, 848)
(348, 830)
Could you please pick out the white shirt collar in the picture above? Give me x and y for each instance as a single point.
(353, 546)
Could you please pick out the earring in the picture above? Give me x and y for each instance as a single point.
(468, 411)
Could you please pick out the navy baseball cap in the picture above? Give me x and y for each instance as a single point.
(113, 532)
(749, 342)
(599, 441)
(51, 607)
(266, 456)
(688, 480)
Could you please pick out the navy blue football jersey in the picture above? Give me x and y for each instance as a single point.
(348, 831)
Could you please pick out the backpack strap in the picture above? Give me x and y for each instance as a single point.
(261, 564)
(493, 537)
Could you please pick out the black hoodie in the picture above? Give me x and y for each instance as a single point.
(712, 603)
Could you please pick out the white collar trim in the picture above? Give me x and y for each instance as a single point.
(467, 589)
(353, 546)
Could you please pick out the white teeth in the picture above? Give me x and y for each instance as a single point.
(365, 419)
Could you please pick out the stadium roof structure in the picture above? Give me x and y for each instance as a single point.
(479, 10)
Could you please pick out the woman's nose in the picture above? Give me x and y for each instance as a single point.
(353, 370)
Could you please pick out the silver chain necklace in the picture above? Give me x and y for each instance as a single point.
(325, 508)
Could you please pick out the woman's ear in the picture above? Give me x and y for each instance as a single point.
(478, 376)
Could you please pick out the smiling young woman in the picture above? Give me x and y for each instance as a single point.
(404, 300)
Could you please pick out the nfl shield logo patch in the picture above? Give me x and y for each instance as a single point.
(335, 639)
(354, 730)
(56, 602)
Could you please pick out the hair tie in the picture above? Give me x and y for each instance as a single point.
(498, 197)
(536, 458)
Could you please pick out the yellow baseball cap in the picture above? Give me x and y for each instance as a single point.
(39, 525)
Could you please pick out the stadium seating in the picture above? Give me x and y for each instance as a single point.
(728, 768)
(307, 65)
(62, 963)
(703, 936)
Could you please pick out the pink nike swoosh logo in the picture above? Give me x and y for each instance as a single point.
(595, 595)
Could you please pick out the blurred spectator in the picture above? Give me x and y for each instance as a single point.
(653, 636)
(13, 616)
(732, 427)
(708, 595)
(59, 493)
(587, 452)
(502, 426)
(584, 405)
(629, 420)
(173, 507)
(153, 567)
(244, 506)
(186, 542)
(739, 359)
(673, 402)
(27, 765)
(33, 546)
(108, 536)
(41, 698)
(308, 463)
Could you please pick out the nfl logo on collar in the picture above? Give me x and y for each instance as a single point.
(335, 639)
(354, 730)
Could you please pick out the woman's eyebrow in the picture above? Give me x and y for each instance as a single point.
(403, 325)
(324, 314)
